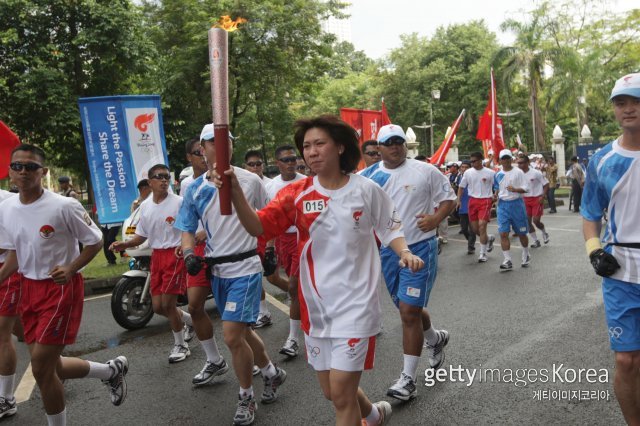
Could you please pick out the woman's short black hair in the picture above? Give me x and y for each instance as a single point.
(341, 133)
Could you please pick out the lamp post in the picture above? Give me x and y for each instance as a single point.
(424, 126)
(435, 95)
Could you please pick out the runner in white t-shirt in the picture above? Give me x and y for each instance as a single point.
(236, 276)
(479, 183)
(534, 199)
(335, 214)
(287, 243)
(415, 187)
(41, 230)
(509, 185)
(168, 276)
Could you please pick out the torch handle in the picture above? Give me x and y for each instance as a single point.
(221, 135)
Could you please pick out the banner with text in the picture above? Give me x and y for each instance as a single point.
(124, 137)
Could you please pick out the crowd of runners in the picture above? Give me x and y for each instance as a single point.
(301, 230)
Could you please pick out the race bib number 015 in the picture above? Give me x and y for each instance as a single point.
(314, 206)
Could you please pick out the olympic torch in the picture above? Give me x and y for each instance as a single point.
(219, 68)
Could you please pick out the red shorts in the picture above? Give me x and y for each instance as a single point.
(199, 280)
(287, 251)
(534, 208)
(480, 209)
(50, 312)
(168, 274)
(10, 295)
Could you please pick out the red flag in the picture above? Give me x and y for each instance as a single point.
(366, 122)
(385, 116)
(490, 127)
(8, 141)
(438, 157)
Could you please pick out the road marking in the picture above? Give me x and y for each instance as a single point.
(102, 296)
(25, 387)
(278, 304)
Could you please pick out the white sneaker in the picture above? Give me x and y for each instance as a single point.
(290, 348)
(264, 319)
(117, 384)
(545, 238)
(435, 354)
(492, 239)
(188, 332)
(482, 258)
(179, 353)
(526, 261)
(403, 389)
(506, 265)
(7, 408)
(384, 408)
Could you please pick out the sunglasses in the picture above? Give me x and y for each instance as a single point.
(197, 153)
(254, 163)
(301, 167)
(395, 140)
(30, 167)
(161, 176)
(372, 153)
(291, 159)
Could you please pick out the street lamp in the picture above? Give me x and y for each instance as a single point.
(424, 126)
(435, 95)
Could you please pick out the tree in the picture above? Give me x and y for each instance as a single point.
(53, 52)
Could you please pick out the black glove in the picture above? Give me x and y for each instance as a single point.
(603, 263)
(270, 262)
(193, 264)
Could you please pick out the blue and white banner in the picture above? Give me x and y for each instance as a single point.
(124, 137)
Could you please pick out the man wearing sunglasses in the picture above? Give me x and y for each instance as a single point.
(168, 277)
(370, 152)
(534, 200)
(416, 188)
(254, 163)
(287, 243)
(41, 231)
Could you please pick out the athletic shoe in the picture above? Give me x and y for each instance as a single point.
(117, 384)
(435, 354)
(256, 370)
(492, 239)
(403, 389)
(526, 261)
(245, 413)
(384, 408)
(263, 320)
(179, 353)
(545, 237)
(482, 258)
(271, 385)
(188, 332)
(471, 250)
(536, 244)
(506, 266)
(7, 408)
(209, 371)
(445, 240)
(290, 348)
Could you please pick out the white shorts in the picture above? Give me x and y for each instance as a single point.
(343, 354)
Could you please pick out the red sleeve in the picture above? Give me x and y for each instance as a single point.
(279, 214)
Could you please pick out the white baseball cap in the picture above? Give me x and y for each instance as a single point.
(505, 153)
(207, 133)
(628, 85)
(389, 131)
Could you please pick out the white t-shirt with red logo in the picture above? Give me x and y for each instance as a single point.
(536, 181)
(339, 259)
(46, 232)
(156, 222)
(479, 183)
(276, 184)
(3, 196)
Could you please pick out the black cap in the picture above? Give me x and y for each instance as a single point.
(574, 158)
(64, 179)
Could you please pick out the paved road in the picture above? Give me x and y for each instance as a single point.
(534, 320)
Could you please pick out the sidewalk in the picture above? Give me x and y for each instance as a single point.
(100, 285)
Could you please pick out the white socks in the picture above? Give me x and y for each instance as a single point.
(294, 328)
(534, 236)
(525, 252)
(178, 337)
(99, 370)
(483, 248)
(186, 318)
(59, 419)
(411, 365)
(431, 336)
(374, 416)
(7, 384)
(211, 349)
(507, 255)
(269, 370)
(264, 309)
(246, 392)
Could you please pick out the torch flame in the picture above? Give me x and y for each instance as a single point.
(227, 24)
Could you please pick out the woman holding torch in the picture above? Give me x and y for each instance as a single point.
(335, 213)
